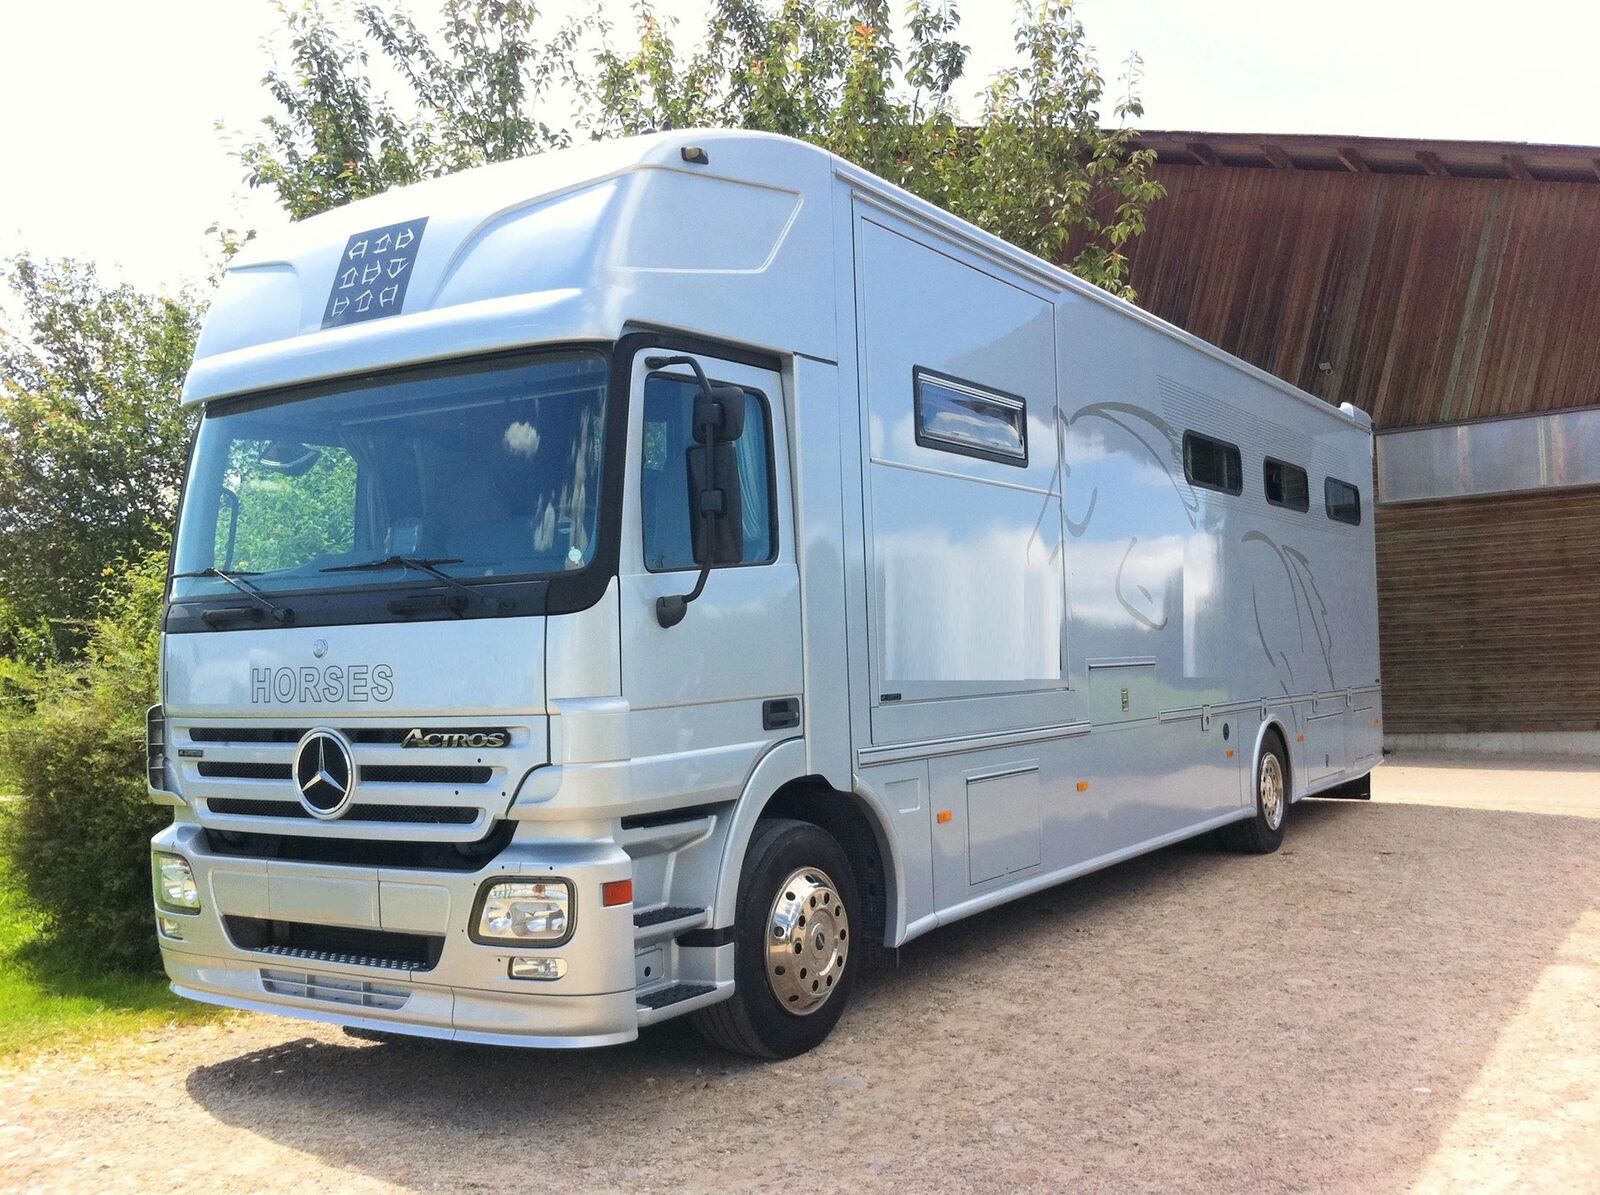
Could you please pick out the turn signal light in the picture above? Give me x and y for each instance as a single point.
(617, 892)
(944, 816)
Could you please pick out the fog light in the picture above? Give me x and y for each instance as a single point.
(528, 911)
(170, 927)
(175, 886)
(538, 968)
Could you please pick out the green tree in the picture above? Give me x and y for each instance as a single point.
(80, 837)
(476, 94)
(92, 442)
(1036, 167)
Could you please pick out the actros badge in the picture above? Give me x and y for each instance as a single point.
(456, 738)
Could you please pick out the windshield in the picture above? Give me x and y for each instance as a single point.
(490, 469)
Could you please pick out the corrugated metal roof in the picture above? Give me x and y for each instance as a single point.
(1419, 299)
(1521, 160)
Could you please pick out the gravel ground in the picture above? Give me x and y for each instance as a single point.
(1406, 996)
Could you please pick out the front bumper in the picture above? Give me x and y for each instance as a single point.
(466, 995)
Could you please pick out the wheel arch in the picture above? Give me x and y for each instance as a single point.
(1271, 727)
(780, 787)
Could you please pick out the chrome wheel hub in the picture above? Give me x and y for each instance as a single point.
(1271, 786)
(808, 935)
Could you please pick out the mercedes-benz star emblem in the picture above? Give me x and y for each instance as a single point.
(324, 773)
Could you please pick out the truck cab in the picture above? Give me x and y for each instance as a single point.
(439, 761)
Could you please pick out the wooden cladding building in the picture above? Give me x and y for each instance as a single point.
(1434, 285)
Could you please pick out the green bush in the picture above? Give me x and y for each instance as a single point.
(79, 837)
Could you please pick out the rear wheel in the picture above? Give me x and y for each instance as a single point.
(794, 955)
(1263, 833)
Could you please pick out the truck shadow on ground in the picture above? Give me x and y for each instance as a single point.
(1311, 1018)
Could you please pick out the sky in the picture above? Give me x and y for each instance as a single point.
(110, 151)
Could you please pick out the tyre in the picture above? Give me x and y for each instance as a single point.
(1263, 833)
(794, 957)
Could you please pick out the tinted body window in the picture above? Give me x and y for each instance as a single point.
(665, 496)
(1343, 499)
(955, 416)
(1287, 485)
(1213, 464)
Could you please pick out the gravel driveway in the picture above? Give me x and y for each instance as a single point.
(1406, 995)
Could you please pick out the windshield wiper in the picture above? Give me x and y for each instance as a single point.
(279, 613)
(419, 565)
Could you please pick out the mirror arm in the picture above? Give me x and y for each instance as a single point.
(670, 608)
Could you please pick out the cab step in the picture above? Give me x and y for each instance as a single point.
(676, 994)
(653, 917)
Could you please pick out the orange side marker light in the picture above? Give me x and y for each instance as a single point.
(943, 816)
(1299, 738)
(1230, 752)
(616, 892)
(1083, 786)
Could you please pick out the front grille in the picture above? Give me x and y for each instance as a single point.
(434, 815)
(336, 944)
(388, 773)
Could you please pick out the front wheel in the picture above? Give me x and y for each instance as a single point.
(794, 958)
(1263, 833)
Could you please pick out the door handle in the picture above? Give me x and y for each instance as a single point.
(780, 713)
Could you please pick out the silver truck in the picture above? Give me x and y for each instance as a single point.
(660, 576)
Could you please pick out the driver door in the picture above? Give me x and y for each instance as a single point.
(708, 696)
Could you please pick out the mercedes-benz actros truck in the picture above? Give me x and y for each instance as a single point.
(658, 577)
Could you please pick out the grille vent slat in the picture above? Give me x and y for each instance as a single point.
(426, 774)
(225, 769)
(360, 994)
(235, 770)
(437, 815)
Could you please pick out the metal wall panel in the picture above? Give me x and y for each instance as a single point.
(1490, 456)
(1488, 618)
(1419, 299)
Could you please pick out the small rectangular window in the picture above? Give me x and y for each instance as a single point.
(1213, 464)
(1287, 485)
(955, 416)
(1344, 501)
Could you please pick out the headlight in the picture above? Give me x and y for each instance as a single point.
(175, 886)
(531, 911)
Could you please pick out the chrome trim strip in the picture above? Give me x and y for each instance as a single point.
(929, 748)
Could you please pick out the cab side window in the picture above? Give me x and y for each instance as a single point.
(665, 495)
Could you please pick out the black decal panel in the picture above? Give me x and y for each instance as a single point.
(371, 278)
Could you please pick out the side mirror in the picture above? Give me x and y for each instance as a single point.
(716, 504)
(717, 520)
(719, 415)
